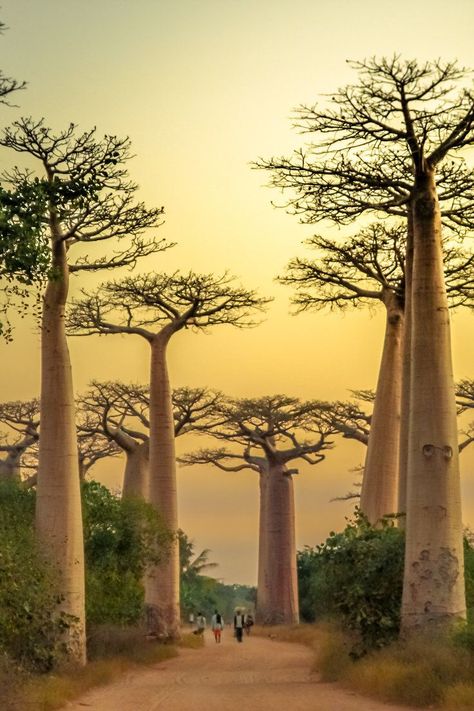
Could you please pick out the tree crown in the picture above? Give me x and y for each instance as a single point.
(190, 301)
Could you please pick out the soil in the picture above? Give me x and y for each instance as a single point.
(256, 675)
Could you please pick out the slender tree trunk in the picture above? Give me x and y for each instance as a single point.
(162, 585)
(282, 605)
(379, 495)
(58, 496)
(406, 370)
(433, 590)
(263, 583)
(136, 480)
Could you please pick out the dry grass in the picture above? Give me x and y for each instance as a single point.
(112, 651)
(391, 680)
(330, 646)
(301, 634)
(191, 641)
(459, 697)
(420, 672)
(423, 671)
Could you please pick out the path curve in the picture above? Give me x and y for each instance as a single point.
(257, 675)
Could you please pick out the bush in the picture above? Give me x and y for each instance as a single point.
(356, 576)
(31, 624)
(120, 537)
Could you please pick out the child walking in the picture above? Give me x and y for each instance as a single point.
(217, 625)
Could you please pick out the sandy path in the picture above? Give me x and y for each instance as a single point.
(257, 675)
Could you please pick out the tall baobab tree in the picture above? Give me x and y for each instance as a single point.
(266, 434)
(155, 307)
(362, 271)
(120, 411)
(383, 145)
(87, 198)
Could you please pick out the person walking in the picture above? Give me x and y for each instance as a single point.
(217, 625)
(238, 625)
(248, 622)
(200, 624)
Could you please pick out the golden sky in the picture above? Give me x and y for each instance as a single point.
(203, 87)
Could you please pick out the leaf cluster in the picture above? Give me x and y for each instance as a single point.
(356, 576)
(31, 623)
(121, 537)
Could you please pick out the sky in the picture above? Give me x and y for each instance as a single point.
(203, 88)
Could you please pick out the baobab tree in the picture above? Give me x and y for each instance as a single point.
(120, 411)
(86, 198)
(22, 419)
(155, 307)
(25, 417)
(364, 270)
(383, 146)
(266, 435)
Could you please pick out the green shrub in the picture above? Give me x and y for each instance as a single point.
(31, 624)
(120, 537)
(356, 576)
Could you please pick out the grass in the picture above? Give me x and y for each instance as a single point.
(112, 651)
(460, 697)
(329, 644)
(424, 671)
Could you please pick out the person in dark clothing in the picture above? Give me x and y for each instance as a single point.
(248, 623)
(239, 625)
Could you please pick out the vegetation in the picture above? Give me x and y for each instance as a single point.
(356, 577)
(422, 672)
(267, 435)
(203, 593)
(121, 537)
(31, 624)
(87, 568)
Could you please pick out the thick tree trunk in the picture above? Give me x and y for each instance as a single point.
(263, 582)
(379, 495)
(282, 605)
(162, 584)
(136, 480)
(433, 590)
(406, 371)
(58, 496)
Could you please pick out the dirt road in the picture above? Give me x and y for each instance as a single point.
(257, 675)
